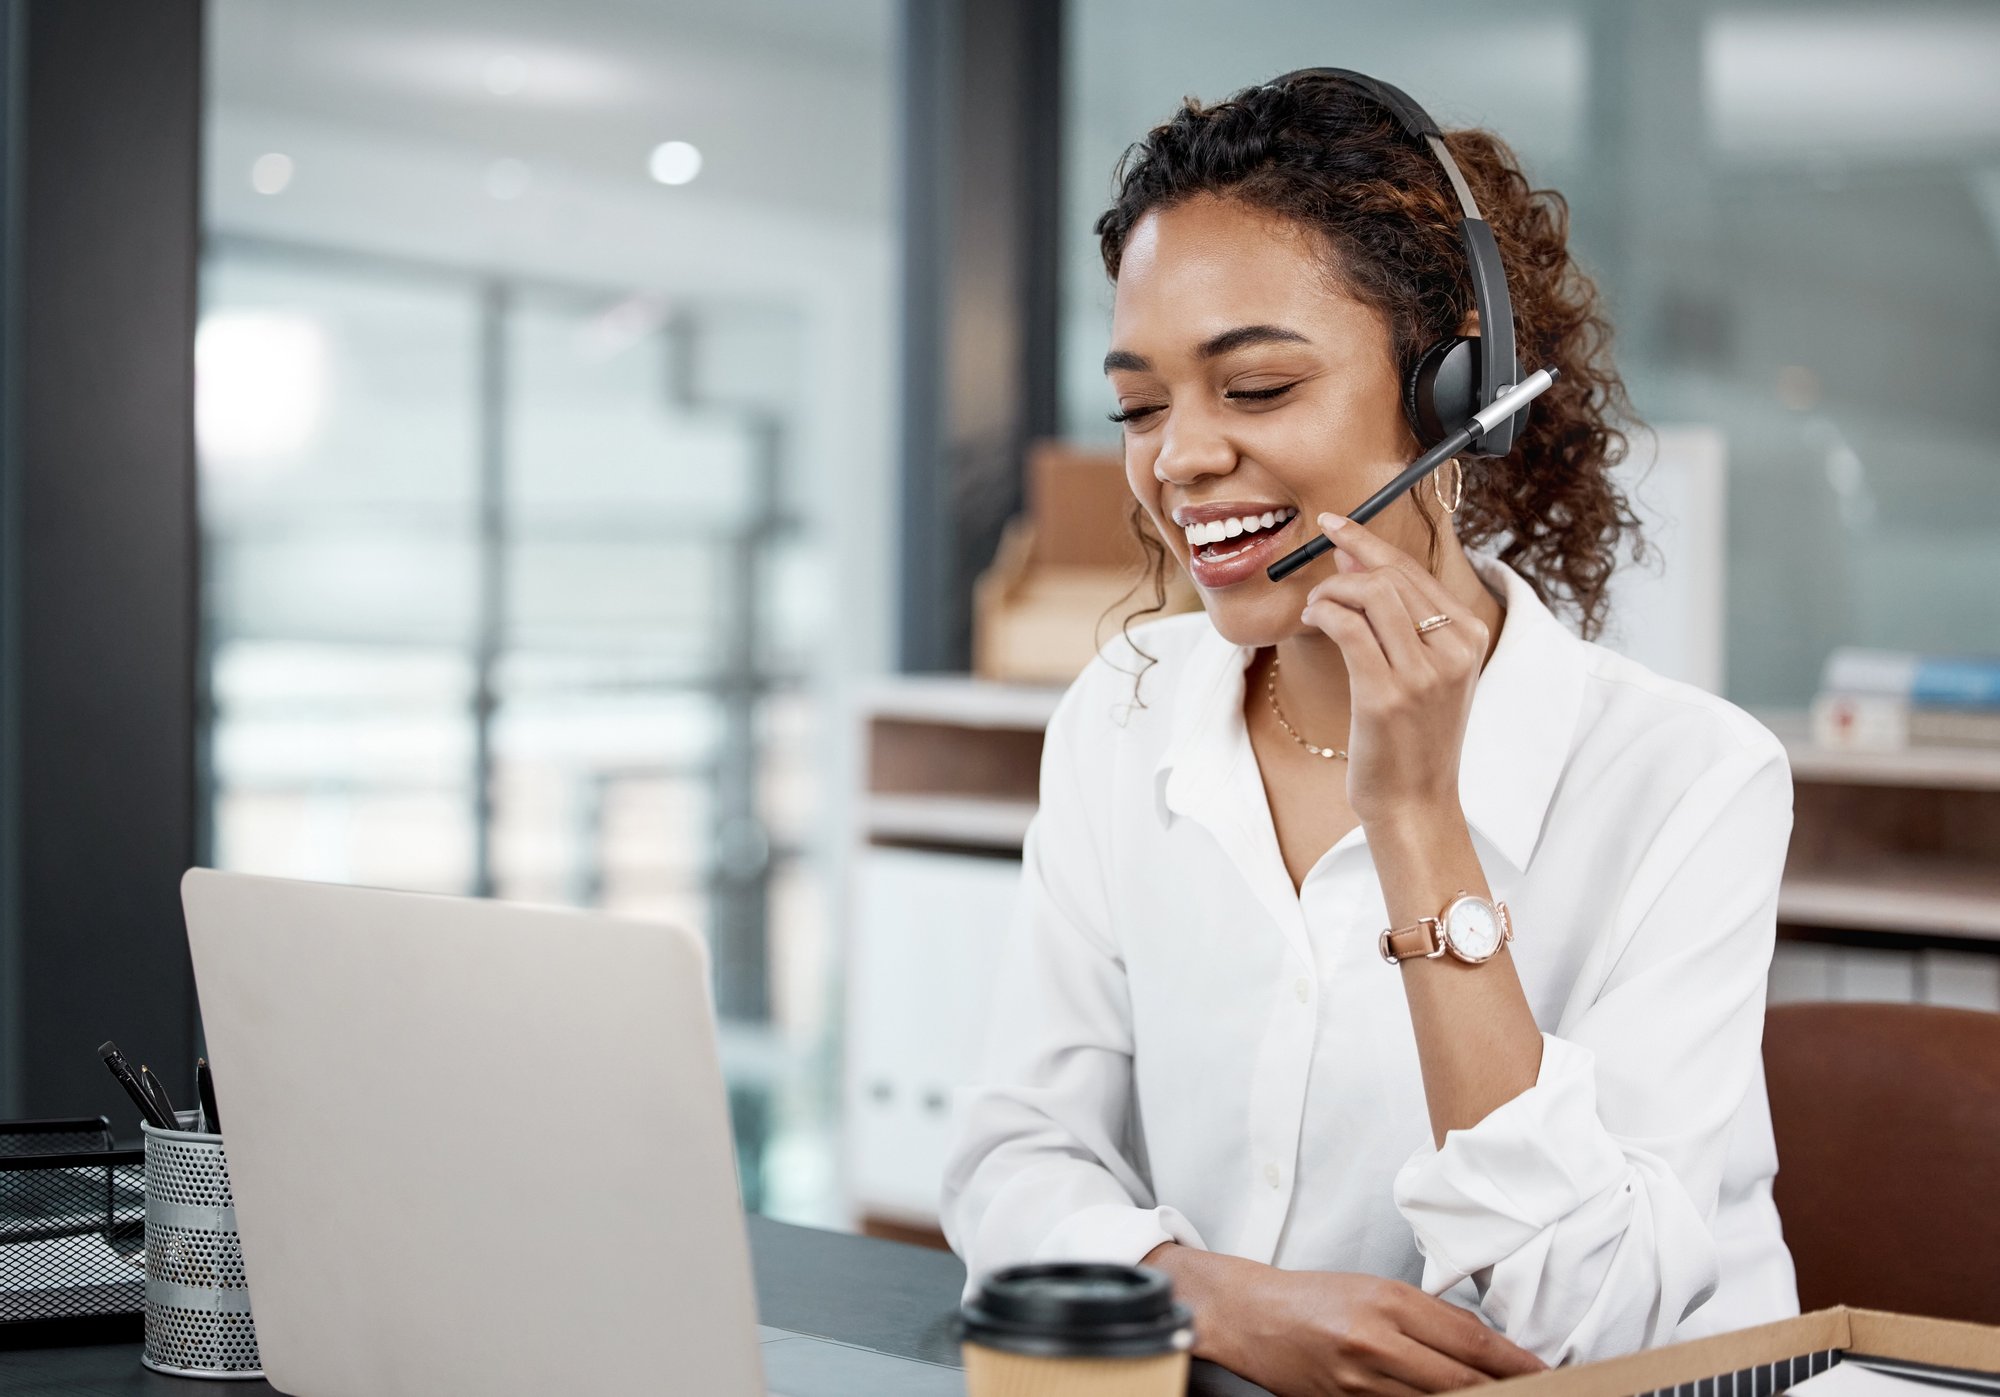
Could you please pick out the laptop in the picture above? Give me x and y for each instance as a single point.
(483, 1147)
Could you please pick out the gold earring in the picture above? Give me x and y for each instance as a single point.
(1457, 486)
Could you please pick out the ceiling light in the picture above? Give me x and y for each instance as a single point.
(270, 173)
(675, 162)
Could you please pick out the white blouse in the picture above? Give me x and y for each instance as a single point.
(1182, 1048)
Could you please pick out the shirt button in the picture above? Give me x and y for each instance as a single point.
(1271, 1175)
(1302, 987)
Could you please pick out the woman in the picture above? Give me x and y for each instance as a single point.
(1199, 1058)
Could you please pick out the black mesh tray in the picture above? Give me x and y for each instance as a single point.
(72, 1233)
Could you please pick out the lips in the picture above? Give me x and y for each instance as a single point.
(1226, 561)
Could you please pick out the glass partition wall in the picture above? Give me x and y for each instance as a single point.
(542, 378)
(498, 603)
(338, 411)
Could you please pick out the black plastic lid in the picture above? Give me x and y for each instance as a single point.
(1081, 1309)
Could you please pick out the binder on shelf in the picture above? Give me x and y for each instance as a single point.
(1923, 681)
(1879, 723)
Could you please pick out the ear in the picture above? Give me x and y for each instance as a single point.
(1470, 325)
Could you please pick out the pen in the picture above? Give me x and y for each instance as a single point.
(1483, 421)
(122, 1070)
(204, 1086)
(158, 1092)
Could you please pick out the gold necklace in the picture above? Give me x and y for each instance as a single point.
(1271, 692)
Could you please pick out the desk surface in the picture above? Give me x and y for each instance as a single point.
(879, 1295)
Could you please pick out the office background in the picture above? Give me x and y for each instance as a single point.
(504, 447)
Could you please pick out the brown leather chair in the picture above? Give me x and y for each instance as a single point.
(1887, 1118)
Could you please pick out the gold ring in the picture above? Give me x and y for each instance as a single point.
(1431, 623)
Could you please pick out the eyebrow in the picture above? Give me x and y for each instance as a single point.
(1214, 347)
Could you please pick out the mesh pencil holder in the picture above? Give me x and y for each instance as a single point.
(197, 1301)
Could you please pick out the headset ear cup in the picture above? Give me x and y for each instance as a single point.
(1441, 392)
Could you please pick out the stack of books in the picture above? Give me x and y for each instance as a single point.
(1887, 700)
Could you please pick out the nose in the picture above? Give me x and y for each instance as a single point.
(1191, 447)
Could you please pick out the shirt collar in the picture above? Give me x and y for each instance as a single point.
(1517, 738)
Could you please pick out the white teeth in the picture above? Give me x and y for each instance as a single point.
(1216, 530)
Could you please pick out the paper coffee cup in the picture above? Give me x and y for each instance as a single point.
(1075, 1329)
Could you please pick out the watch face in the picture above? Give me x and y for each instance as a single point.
(1472, 929)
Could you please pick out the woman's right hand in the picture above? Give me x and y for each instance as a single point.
(1333, 1333)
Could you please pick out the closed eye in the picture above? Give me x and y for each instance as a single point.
(1243, 395)
(1133, 414)
(1259, 395)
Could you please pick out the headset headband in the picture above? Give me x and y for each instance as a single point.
(1497, 365)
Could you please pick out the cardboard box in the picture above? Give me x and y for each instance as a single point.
(1767, 1360)
(1065, 573)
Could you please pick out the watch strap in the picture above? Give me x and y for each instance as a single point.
(1423, 937)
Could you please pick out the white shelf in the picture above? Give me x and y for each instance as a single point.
(1947, 768)
(961, 701)
(1918, 896)
(971, 821)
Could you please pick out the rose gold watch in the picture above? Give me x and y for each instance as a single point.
(1469, 928)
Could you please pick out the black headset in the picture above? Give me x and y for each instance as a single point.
(1459, 375)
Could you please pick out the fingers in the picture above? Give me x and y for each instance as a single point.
(1461, 1335)
(1427, 1370)
(1457, 647)
(1463, 641)
(1380, 596)
(1374, 551)
(1382, 1385)
(1350, 630)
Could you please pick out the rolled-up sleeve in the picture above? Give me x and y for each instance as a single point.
(1581, 1213)
(1044, 1164)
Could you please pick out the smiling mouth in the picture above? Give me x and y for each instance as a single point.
(1218, 540)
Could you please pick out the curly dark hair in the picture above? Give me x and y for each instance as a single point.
(1323, 152)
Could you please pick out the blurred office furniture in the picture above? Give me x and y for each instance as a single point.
(1892, 884)
(949, 785)
(1067, 571)
(921, 978)
(1887, 1119)
(1891, 892)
